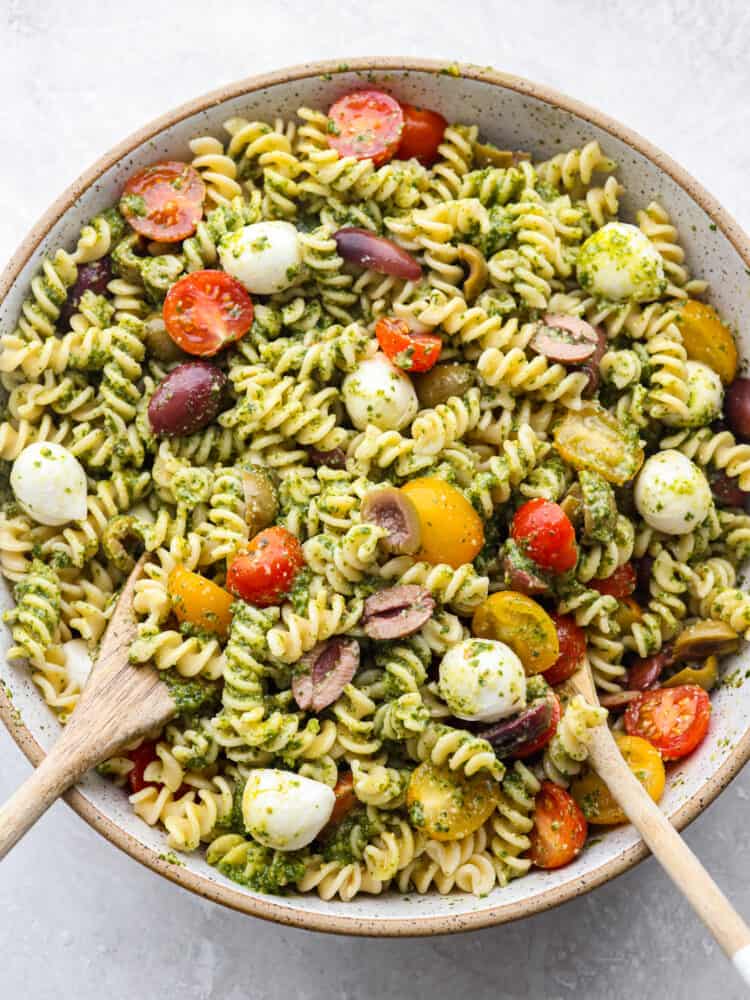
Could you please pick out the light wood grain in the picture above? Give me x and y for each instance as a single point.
(120, 703)
(667, 846)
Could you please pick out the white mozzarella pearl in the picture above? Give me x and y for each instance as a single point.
(482, 680)
(78, 661)
(379, 393)
(284, 810)
(671, 493)
(619, 262)
(265, 257)
(49, 483)
(705, 397)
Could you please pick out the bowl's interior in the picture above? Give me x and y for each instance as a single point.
(513, 118)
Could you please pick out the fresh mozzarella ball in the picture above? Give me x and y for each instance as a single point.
(265, 257)
(379, 393)
(49, 483)
(705, 397)
(284, 810)
(671, 493)
(482, 680)
(78, 661)
(620, 262)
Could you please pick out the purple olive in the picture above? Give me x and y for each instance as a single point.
(509, 735)
(644, 674)
(397, 611)
(566, 340)
(360, 246)
(725, 490)
(591, 367)
(737, 408)
(644, 568)
(187, 399)
(334, 459)
(324, 672)
(393, 511)
(618, 701)
(93, 277)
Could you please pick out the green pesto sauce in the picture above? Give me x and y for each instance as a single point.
(191, 696)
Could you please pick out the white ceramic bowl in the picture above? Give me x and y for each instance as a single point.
(516, 114)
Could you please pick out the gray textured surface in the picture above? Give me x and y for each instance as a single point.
(79, 919)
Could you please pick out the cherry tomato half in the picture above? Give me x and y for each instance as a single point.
(674, 720)
(572, 642)
(199, 601)
(535, 745)
(621, 584)
(345, 799)
(560, 828)
(205, 310)
(423, 133)
(595, 799)
(164, 201)
(142, 756)
(543, 530)
(414, 352)
(366, 125)
(265, 570)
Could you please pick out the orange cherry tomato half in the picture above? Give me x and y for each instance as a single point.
(199, 601)
(535, 745)
(264, 571)
(345, 799)
(164, 201)
(674, 720)
(560, 828)
(367, 125)
(621, 584)
(572, 641)
(423, 133)
(543, 531)
(414, 352)
(205, 310)
(142, 756)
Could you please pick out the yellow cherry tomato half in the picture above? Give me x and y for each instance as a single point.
(591, 438)
(593, 796)
(199, 601)
(522, 624)
(446, 805)
(707, 339)
(452, 531)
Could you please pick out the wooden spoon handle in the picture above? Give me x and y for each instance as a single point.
(668, 847)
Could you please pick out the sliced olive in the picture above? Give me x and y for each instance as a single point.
(510, 734)
(442, 382)
(705, 676)
(158, 341)
(476, 279)
(397, 611)
(261, 505)
(566, 340)
(324, 672)
(572, 504)
(392, 510)
(705, 638)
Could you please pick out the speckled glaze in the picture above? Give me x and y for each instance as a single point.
(517, 114)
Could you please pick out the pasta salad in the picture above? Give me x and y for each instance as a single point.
(412, 427)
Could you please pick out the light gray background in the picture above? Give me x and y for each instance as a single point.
(79, 919)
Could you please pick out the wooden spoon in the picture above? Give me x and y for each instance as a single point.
(119, 703)
(667, 846)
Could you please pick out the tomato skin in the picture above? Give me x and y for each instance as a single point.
(674, 720)
(345, 799)
(534, 746)
(206, 310)
(142, 756)
(452, 531)
(423, 133)
(264, 571)
(621, 584)
(572, 641)
(448, 805)
(560, 828)
(366, 124)
(199, 601)
(595, 799)
(414, 352)
(544, 532)
(164, 201)
(520, 623)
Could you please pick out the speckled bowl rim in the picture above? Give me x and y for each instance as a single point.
(266, 908)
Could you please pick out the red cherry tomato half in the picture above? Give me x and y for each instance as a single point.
(423, 133)
(264, 571)
(367, 125)
(414, 352)
(205, 310)
(142, 756)
(543, 531)
(674, 720)
(533, 746)
(621, 584)
(572, 641)
(164, 201)
(560, 828)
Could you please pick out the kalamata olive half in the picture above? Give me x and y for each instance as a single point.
(737, 408)
(158, 341)
(392, 510)
(376, 253)
(324, 672)
(510, 734)
(334, 459)
(726, 491)
(441, 382)
(591, 366)
(93, 277)
(397, 611)
(187, 399)
(567, 340)
(644, 674)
